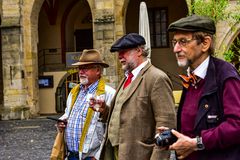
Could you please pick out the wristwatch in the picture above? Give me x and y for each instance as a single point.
(200, 145)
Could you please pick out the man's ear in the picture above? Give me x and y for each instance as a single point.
(99, 72)
(206, 43)
(139, 51)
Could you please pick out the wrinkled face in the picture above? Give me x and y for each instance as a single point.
(89, 74)
(128, 59)
(189, 52)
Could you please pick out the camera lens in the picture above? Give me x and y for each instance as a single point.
(166, 138)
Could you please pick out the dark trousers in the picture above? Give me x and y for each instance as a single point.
(75, 156)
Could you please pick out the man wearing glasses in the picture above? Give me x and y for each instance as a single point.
(209, 111)
(83, 130)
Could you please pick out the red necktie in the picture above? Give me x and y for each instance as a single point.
(187, 80)
(128, 81)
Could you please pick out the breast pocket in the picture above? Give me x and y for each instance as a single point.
(143, 104)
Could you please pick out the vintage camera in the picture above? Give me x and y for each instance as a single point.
(165, 138)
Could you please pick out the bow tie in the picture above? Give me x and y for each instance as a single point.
(187, 80)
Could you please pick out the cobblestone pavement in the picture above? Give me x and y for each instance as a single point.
(27, 139)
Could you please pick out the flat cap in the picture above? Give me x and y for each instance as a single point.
(130, 40)
(194, 23)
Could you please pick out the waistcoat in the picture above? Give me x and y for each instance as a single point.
(114, 124)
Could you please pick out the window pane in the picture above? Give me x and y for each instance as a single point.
(164, 39)
(158, 27)
(164, 27)
(157, 16)
(158, 41)
(152, 40)
(163, 16)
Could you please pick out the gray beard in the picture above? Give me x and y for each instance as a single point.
(84, 81)
(184, 66)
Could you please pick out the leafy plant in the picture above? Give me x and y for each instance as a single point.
(214, 9)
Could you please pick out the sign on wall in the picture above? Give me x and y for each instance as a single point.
(72, 57)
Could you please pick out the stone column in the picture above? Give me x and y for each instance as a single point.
(14, 99)
(104, 36)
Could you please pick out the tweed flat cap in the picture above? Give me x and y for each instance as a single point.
(193, 23)
(130, 40)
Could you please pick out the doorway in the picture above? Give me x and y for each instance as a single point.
(84, 39)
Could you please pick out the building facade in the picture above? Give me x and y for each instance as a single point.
(38, 36)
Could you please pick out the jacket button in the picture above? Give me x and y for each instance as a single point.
(206, 106)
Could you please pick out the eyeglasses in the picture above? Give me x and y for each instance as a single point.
(86, 68)
(182, 42)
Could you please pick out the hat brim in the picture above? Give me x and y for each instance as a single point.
(174, 29)
(105, 65)
(116, 49)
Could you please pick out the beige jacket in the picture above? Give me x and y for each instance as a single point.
(149, 104)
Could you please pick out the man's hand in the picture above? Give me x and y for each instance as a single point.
(97, 105)
(61, 125)
(184, 145)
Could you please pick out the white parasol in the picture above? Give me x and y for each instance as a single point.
(144, 26)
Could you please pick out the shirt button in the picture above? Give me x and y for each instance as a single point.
(206, 106)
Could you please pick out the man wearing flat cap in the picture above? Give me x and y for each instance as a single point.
(83, 131)
(143, 101)
(208, 120)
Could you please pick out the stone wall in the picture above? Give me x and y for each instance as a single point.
(12, 61)
(1, 75)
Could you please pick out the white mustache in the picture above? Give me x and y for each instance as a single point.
(83, 76)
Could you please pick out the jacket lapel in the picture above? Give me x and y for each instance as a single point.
(135, 84)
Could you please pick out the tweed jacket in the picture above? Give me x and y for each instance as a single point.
(149, 104)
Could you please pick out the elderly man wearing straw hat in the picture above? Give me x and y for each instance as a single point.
(83, 130)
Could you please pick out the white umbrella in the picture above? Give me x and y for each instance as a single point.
(144, 25)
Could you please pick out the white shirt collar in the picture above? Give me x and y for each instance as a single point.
(136, 71)
(201, 70)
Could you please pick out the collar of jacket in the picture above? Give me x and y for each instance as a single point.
(134, 87)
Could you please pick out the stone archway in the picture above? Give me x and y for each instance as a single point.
(225, 37)
(57, 35)
(30, 39)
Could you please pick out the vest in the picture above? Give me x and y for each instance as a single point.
(114, 124)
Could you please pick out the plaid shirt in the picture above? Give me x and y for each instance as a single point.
(77, 117)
